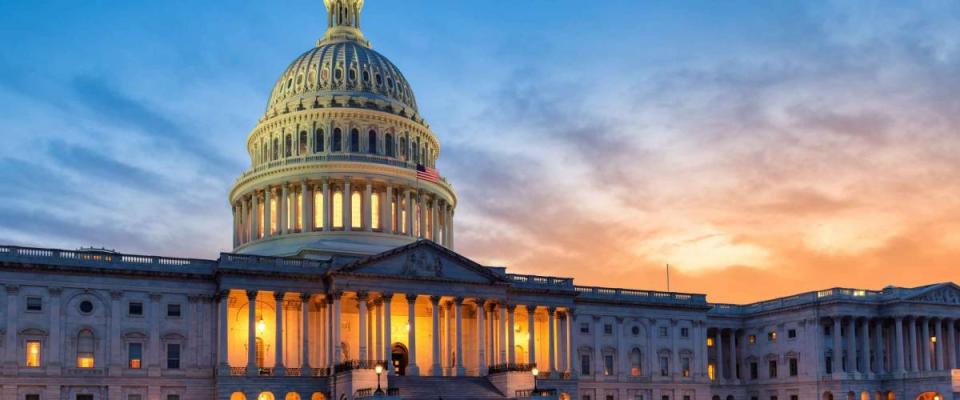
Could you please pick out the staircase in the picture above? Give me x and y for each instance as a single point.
(445, 387)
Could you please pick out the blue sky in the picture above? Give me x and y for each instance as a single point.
(737, 140)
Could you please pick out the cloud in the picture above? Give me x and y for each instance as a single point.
(91, 164)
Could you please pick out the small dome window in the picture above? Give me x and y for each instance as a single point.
(86, 307)
(390, 82)
(352, 75)
(289, 83)
(366, 76)
(299, 79)
(324, 74)
(338, 74)
(379, 80)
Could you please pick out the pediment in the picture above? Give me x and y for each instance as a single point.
(423, 260)
(946, 293)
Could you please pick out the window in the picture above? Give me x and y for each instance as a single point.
(794, 397)
(752, 339)
(173, 397)
(34, 304)
(585, 397)
(685, 332)
(33, 354)
(665, 397)
(773, 368)
(793, 367)
(173, 356)
(585, 364)
(663, 331)
(609, 397)
(134, 355)
(84, 397)
(85, 349)
(635, 363)
(403, 148)
(827, 331)
(134, 397)
(173, 310)
(388, 143)
(356, 211)
(828, 361)
(709, 342)
(685, 366)
(664, 366)
(607, 329)
(686, 397)
(712, 371)
(32, 397)
(375, 210)
(635, 331)
(276, 148)
(355, 141)
(135, 308)
(337, 144)
(792, 334)
(608, 364)
(772, 336)
(318, 141)
(288, 145)
(302, 149)
(773, 397)
(338, 209)
(754, 370)
(318, 213)
(584, 327)
(86, 307)
(372, 142)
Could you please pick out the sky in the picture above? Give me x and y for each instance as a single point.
(758, 148)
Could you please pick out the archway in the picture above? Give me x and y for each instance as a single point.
(564, 396)
(864, 395)
(318, 396)
(827, 395)
(292, 396)
(929, 396)
(265, 396)
(400, 357)
(238, 396)
(891, 395)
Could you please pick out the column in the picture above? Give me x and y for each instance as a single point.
(597, 349)
(252, 333)
(154, 342)
(531, 337)
(718, 343)
(912, 342)
(331, 354)
(387, 213)
(378, 338)
(55, 341)
(305, 333)
(306, 196)
(223, 298)
(433, 221)
(481, 338)
(267, 192)
(436, 369)
(551, 344)
(367, 207)
(422, 200)
(938, 345)
(347, 205)
(865, 346)
(409, 218)
(279, 369)
(322, 355)
(388, 332)
(446, 347)
(879, 347)
(239, 214)
(412, 368)
(925, 345)
(952, 335)
(568, 339)
(502, 337)
(511, 344)
(851, 345)
(253, 221)
(458, 360)
(450, 242)
(284, 201)
(362, 337)
(837, 347)
(733, 354)
(327, 207)
(335, 328)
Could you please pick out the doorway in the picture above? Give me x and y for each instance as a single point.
(399, 356)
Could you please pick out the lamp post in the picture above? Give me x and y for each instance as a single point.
(379, 370)
(535, 372)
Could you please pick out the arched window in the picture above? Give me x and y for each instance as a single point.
(388, 143)
(403, 148)
(372, 142)
(276, 149)
(375, 210)
(302, 149)
(635, 368)
(292, 396)
(315, 396)
(354, 141)
(356, 207)
(288, 145)
(265, 395)
(403, 216)
(238, 396)
(337, 144)
(318, 141)
(263, 151)
(85, 349)
(416, 148)
(338, 209)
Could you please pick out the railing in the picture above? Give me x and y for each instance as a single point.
(238, 371)
(351, 365)
(510, 367)
(239, 260)
(802, 298)
(345, 156)
(104, 258)
(369, 393)
(537, 394)
(602, 293)
(541, 281)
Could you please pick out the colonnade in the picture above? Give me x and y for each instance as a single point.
(495, 346)
(900, 344)
(344, 204)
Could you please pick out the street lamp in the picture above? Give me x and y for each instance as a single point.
(379, 370)
(535, 372)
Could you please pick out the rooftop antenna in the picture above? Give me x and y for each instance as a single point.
(668, 277)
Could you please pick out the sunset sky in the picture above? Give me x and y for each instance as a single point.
(759, 148)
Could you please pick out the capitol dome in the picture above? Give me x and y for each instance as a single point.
(342, 163)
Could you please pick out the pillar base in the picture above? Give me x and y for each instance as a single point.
(413, 370)
(436, 370)
(461, 371)
(280, 371)
(253, 370)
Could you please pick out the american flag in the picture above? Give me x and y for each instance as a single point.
(427, 173)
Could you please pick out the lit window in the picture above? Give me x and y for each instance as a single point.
(635, 366)
(318, 210)
(685, 366)
(259, 223)
(338, 209)
(709, 342)
(712, 371)
(273, 215)
(134, 355)
(403, 216)
(375, 211)
(298, 222)
(772, 336)
(33, 353)
(356, 210)
(752, 339)
(608, 364)
(85, 349)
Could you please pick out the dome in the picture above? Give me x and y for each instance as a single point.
(345, 71)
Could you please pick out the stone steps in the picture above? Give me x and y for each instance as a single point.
(446, 388)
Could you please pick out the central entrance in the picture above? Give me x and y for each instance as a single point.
(400, 357)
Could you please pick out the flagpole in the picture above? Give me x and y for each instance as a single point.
(668, 277)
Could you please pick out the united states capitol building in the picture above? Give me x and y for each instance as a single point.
(344, 261)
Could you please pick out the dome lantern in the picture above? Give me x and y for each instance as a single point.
(343, 22)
